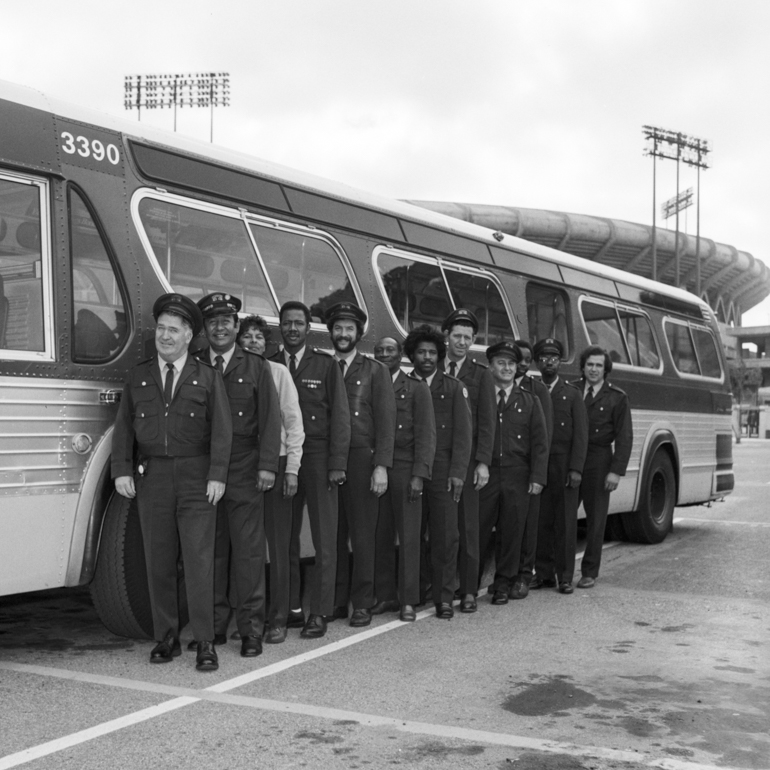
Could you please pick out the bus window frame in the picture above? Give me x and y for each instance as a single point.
(46, 272)
(563, 290)
(690, 326)
(246, 218)
(443, 265)
(630, 367)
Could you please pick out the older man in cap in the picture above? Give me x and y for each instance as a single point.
(372, 432)
(460, 329)
(557, 524)
(175, 417)
(519, 468)
(240, 555)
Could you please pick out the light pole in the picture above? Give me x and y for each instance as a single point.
(209, 89)
(674, 145)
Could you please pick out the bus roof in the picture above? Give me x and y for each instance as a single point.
(286, 175)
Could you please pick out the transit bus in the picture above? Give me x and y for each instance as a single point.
(99, 216)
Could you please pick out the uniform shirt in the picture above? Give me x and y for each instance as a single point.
(178, 366)
(292, 432)
(197, 422)
(483, 402)
(570, 424)
(534, 386)
(609, 422)
(415, 440)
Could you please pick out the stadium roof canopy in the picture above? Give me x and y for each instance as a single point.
(732, 281)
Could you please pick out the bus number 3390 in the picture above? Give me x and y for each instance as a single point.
(89, 148)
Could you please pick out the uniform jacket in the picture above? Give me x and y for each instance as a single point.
(372, 408)
(198, 420)
(521, 438)
(535, 386)
(481, 392)
(570, 424)
(415, 425)
(609, 421)
(454, 425)
(324, 405)
(254, 407)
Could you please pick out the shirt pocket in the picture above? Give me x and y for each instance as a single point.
(242, 407)
(193, 412)
(146, 408)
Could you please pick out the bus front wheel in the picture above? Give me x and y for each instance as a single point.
(653, 521)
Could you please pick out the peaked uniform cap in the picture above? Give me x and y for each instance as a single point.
(219, 304)
(182, 306)
(345, 310)
(504, 348)
(461, 315)
(548, 345)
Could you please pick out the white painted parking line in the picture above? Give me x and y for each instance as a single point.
(723, 522)
(186, 696)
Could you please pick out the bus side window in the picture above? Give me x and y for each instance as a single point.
(21, 274)
(547, 315)
(603, 327)
(301, 266)
(640, 339)
(480, 295)
(681, 346)
(99, 310)
(708, 357)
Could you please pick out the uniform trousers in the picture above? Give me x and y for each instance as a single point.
(529, 541)
(313, 488)
(439, 554)
(504, 505)
(174, 511)
(240, 555)
(278, 522)
(468, 525)
(358, 514)
(596, 501)
(397, 514)
(557, 525)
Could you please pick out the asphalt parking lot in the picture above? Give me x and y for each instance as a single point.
(663, 664)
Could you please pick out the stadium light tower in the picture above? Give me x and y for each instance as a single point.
(208, 89)
(674, 145)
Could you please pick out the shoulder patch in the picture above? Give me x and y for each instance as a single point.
(465, 392)
(321, 351)
(204, 362)
(615, 388)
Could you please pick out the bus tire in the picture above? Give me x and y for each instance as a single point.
(654, 519)
(613, 529)
(119, 589)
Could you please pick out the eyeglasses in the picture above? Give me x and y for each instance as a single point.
(548, 359)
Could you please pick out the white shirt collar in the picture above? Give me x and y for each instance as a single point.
(297, 356)
(178, 364)
(225, 357)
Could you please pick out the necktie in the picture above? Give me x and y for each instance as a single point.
(453, 368)
(292, 364)
(501, 401)
(168, 385)
(219, 362)
(589, 394)
(342, 366)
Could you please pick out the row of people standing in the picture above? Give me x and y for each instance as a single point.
(356, 441)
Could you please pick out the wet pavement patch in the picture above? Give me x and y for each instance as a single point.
(319, 736)
(737, 669)
(550, 696)
(438, 750)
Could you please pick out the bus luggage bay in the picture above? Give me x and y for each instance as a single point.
(98, 216)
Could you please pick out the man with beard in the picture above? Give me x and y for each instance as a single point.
(240, 555)
(326, 421)
(557, 524)
(401, 505)
(174, 408)
(519, 468)
(454, 429)
(460, 329)
(610, 440)
(372, 431)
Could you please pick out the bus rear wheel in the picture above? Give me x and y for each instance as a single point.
(653, 521)
(119, 589)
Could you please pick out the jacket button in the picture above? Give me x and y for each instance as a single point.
(355, 413)
(144, 383)
(442, 395)
(312, 417)
(240, 379)
(443, 426)
(195, 382)
(240, 414)
(358, 382)
(142, 414)
(192, 414)
(518, 436)
(402, 395)
(400, 427)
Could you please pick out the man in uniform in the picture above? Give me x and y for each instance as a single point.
(174, 408)
(401, 505)
(454, 428)
(609, 422)
(326, 420)
(372, 430)
(557, 524)
(256, 422)
(460, 328)
(519, 468)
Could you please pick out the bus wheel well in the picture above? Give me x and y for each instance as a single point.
(654, 518)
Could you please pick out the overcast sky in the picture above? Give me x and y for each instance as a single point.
(533, 103)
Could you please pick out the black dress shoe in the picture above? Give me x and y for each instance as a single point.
(251, 646)
(220, 639)
(361, 618)
(468, 603)
(520, 589)
(206, 659)
(314, 628)
(383, 607)
(500, 597)
(407, 614)
(193, 645)
(538, 582)
(275, 635)
(444, 611)
(566, 588)
(340, 613)
(586, 582)
(296, 619)
(167, 650)
(236, 634)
